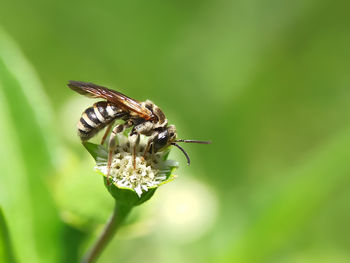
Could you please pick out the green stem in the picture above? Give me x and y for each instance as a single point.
(119, 214)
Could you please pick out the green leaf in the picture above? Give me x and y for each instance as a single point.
(98, 152)
(6, 251)
(26, 158)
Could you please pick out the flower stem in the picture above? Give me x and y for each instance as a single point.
(119, 214)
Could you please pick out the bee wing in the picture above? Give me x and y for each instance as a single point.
(94, 91)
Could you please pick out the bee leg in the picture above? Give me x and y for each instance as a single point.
(136, 144)
(111, 147)
(109, 127)
(146, 149)
(149, 144)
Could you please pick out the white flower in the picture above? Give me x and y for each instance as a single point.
(149, 171)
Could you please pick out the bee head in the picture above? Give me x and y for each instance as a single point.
(165, 138)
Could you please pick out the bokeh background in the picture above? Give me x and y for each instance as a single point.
(267, 81)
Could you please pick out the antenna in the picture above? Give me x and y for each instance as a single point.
(183, 151)
(193, 141)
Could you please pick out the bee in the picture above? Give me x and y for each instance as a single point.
(144, 118)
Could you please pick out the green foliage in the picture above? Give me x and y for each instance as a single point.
(294, 203)
(26, 159)
(266, 81)
(6, 251)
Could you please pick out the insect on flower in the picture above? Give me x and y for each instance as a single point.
(142, 117)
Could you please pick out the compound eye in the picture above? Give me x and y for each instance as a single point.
(161, 141)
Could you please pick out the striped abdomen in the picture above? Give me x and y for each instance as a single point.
(97, 117)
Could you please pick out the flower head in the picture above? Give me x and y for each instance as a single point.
(142, 176)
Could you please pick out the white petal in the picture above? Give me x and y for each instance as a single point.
(138, 190)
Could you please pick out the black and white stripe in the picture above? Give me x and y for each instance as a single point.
(97, 117)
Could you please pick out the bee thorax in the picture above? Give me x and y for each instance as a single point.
(161, 120)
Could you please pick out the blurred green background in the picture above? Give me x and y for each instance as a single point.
(267, 81)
